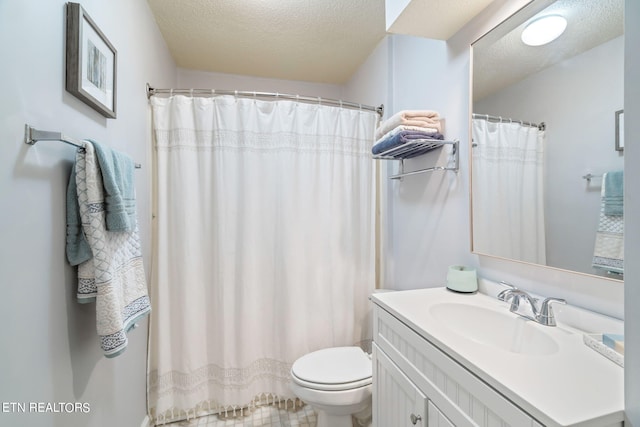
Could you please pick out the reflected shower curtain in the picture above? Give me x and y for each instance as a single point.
(508, 191)
(264, 246)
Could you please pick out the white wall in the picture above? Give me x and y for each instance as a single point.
(578, 108)
(50, 349)
(424, 217)
(427, 213)
(188, 79)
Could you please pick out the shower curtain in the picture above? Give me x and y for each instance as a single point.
(508, 191)
(264, 246)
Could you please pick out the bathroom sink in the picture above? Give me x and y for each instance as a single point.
(502, 330)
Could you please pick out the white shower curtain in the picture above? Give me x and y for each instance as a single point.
(264, 248)
(508, 191)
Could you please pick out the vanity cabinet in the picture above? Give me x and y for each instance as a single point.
(415, 383)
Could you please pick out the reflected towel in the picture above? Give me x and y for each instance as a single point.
(608, 252)
(419, 118)
(613, 187)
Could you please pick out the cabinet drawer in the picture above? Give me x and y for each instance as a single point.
(465, 399)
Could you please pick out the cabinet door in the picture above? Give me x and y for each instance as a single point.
(435, 418)
(396, 401)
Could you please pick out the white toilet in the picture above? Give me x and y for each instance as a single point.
(336, 382)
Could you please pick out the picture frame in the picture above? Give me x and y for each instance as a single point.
(620, 130)
(91, 62)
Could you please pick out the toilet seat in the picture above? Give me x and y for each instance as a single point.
(333, 369)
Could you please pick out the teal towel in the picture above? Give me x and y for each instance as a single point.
(77, 247)
(117, 177)
(613, 197)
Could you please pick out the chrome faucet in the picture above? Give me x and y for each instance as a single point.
(544, 316)
(503, 294)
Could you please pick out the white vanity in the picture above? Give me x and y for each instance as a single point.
(446, 359)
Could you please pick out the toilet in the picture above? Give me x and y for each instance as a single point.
(336, 382)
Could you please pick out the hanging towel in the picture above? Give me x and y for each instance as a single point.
(404, 137)
(420, 118)
(77, 248)
(115, 276)
(608, 253)
(613, 187)
(117, 176)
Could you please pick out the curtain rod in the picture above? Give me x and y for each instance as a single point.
(487, 117)
(309, 99)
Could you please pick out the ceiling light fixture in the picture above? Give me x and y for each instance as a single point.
(543, 30)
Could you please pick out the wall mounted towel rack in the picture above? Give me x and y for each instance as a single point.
(417, 148)
(33, 135)
(590, 176)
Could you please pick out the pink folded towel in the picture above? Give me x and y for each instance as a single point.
(419, 118)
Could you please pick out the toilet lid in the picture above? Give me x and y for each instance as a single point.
(338, 365)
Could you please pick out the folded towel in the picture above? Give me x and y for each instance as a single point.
(399, 129)
(117, 175)
(608, 253)
(404, 137)
(420, 118)
(115, 276)
(77, 248)
(613, 183)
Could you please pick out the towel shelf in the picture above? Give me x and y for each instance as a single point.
(417, 148)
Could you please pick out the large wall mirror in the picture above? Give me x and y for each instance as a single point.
(546, 170)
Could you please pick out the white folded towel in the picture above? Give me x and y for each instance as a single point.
(418, 118)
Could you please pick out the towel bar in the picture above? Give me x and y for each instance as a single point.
(33, 135)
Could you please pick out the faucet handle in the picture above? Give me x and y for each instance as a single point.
(503, 294)
(546, 316)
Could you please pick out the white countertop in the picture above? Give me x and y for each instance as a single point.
(574, 386)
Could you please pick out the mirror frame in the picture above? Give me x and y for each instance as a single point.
(530, 8)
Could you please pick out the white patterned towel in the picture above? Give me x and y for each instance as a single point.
(608, 253)
(114, 278)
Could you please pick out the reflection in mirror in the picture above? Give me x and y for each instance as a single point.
(546, 175)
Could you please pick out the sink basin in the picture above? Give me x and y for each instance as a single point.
(505, 331)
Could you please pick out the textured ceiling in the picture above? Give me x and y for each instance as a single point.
(500, 59)
(310, 40)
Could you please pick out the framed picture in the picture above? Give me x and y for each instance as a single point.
(620, 130)
(91, 62)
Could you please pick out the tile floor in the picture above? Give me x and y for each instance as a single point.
(265, 416)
